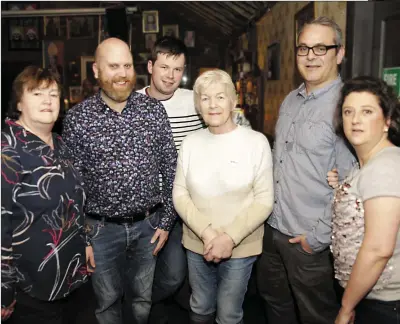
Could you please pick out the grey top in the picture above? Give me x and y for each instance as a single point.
(306, 148)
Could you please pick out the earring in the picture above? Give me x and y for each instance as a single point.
(386, 129)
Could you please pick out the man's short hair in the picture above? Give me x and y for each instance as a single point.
(327, 22)
(170, 46)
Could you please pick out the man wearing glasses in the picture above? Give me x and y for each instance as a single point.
(295, 273)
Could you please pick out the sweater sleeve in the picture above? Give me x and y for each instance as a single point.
(183, 203)
(249, 219)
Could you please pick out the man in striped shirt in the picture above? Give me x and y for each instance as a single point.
(166, 67)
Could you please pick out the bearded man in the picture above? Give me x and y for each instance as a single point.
(121, 141)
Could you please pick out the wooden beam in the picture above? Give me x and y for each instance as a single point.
(222, 28)
(206, 14)
(225, 11)
(235, 8)
(204, 8)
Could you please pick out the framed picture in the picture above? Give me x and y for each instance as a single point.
(150, 39)
(141, 81)
(23, 33)
(273, 62)
(53, 57)
(150, 22)
(86, 69)
(54, 27)
(75, 94)
(171, 30)
(80, 27)
(189, 39)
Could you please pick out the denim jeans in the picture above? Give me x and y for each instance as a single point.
(171, 266)
(124, 266)
(370, 311)
(296, 286)
(218, 288)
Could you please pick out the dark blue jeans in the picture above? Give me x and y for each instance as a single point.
(171, 267)
(370, 311)
(124, 266)
(218, 289)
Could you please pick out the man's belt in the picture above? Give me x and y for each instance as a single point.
(125, 219)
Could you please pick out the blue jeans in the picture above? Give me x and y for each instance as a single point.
(218, 288)
(124, 266)
(171, 266)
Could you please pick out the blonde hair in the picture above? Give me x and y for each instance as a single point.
(213, 77)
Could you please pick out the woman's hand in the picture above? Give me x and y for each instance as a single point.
(333, 178)
(345, 316)
(7, 311)
(219, 248)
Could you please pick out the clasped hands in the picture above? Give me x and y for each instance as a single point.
(217, 245)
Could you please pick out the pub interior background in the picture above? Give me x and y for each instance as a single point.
(252, 40)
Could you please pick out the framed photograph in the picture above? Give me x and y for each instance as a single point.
(53, 57)
(86, 69)
(150, 39)
(150, 22)
(80, 27)
(189, 39)
(54, 27)
(273, 62)
(75, 94)
(24, 33)
(171, 30)
(141, 81)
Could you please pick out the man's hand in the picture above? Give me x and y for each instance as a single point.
(7, 311)
(303, 242)
(219, 248)
(345, 317)
(333, 178)
(162, 237)
(90, 264)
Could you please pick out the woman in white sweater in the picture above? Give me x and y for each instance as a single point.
(223, 192)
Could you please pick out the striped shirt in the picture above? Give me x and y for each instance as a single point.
(182, 114)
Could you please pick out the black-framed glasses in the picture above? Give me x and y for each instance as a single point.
(318, 50)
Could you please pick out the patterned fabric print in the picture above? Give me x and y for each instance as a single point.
(42, 236)
(120, 155)
(348, 234)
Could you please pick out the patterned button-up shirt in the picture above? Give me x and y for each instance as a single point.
(120, 155)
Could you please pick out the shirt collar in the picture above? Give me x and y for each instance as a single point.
(301, 90)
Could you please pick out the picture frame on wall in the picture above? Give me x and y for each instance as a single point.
(86, 69)
(272, 65)
(24, 33)
(54, 27)
(80, 27)
(75, 94)
(150, 21)
(189, 38)
(171, 30)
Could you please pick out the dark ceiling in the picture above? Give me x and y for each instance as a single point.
(220, 19)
